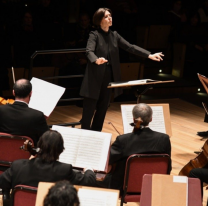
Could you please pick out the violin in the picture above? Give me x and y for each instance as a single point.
(136, 124)
(28, 146)
(4, 101)
(200, 161)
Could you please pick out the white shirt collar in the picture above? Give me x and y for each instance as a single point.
(21, 101)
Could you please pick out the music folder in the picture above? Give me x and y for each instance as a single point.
(85, 148)
(169, 190)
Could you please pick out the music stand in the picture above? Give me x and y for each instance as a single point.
(148, 83)
(204, 81)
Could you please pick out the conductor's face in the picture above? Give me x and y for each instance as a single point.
(107, 20)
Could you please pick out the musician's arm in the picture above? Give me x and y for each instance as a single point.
(6, 179)
(116, 152)
(168, 151)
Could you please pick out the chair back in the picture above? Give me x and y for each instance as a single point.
(10, 148)
(24, 195)
(136, 166)
(139, 164)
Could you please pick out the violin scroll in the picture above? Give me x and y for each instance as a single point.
(28, 146)
(137, 124)
(4, 101)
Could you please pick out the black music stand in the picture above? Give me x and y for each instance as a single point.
(204, 81)
(148, 83)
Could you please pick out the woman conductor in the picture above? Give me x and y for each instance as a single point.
(103, 67)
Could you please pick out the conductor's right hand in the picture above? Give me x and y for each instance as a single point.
(101, 60)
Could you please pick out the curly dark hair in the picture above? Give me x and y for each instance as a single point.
(62, 194)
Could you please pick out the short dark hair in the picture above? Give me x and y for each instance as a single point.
(51, 144)
(143, 111)
(62, 194)
(98, 16)
(22, 88)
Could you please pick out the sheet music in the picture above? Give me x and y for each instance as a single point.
(157, 124)
(84, 148)
(44, 95)
(97, 197)
(140, 81)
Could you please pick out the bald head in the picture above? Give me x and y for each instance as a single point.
(143, 111)
(22, 88)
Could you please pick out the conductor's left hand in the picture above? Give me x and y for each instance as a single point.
(156, 56)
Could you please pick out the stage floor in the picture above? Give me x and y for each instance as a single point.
(186, 120)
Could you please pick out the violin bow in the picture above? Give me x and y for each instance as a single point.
(114, 127)
(13, 75)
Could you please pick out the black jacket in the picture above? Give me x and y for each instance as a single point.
(142, 142)
(31, 172)
(19, 119)
(105, 44)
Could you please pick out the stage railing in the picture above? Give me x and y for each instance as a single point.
(61, 51)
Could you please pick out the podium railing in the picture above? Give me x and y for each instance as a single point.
(61, 51)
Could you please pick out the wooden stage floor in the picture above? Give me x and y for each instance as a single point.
(186, 120)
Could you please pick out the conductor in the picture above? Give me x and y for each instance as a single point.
(103, 67)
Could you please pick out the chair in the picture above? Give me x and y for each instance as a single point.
(24, 195)
(136, 166)
(194, 191)
(10, 149)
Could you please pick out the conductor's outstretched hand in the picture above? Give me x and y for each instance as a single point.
(101, 60)
(156, 56)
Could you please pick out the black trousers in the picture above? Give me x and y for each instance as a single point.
(202, 174)
(94, 111)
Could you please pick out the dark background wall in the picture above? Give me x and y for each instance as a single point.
(30, 25)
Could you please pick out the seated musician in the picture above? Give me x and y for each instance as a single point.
(45, 167)
(62, 194)
(143, 140)
(202, 174)
(18, 118)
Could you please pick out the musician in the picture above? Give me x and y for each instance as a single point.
(103, 67)
(204, 133)
(62, 194)
(45, 167)
(143, 140)
(18, 118)
(202, 174)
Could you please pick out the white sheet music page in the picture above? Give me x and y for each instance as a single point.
(89, 197)
(84, 148)
(157, 124)
(126, 111)
(44, 95)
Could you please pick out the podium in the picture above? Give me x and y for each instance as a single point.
(143, 82)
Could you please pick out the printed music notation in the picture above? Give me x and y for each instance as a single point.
(84, 148)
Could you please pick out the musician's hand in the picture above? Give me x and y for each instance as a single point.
(156, 56)
(101, 60)
(31, 157)
(88, 168)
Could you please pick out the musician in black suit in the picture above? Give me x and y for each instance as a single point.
(45, 167)
(18, 118)
(103, 67)
(143, 141)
